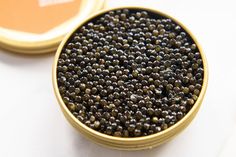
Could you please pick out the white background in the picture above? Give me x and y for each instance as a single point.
(32, 125)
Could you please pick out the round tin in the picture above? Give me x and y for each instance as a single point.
(38, 26)
(134, 143)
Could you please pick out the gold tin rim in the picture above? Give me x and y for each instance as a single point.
(134, 140)
(43, 46)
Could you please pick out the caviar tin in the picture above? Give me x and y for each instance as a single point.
(130, 143)
(38, 26)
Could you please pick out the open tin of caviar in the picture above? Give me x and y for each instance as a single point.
(130, 78)
(38, 26)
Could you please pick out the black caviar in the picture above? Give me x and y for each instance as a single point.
(130, 73)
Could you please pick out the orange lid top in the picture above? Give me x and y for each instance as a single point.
(36, 16)
(38, 26)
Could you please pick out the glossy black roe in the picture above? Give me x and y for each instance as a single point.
(130, 73)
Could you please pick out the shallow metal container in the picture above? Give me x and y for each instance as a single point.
(132, 143)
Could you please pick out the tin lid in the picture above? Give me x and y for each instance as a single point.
(38, 26)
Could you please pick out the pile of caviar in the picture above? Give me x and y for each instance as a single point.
(130, 73)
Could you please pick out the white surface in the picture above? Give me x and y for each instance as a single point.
(31, 123)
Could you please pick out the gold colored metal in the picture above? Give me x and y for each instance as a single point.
(42, 46)
(134, 143)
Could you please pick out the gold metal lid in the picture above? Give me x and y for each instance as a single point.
(38, 26)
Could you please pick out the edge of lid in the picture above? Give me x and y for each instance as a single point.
(42, 45)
